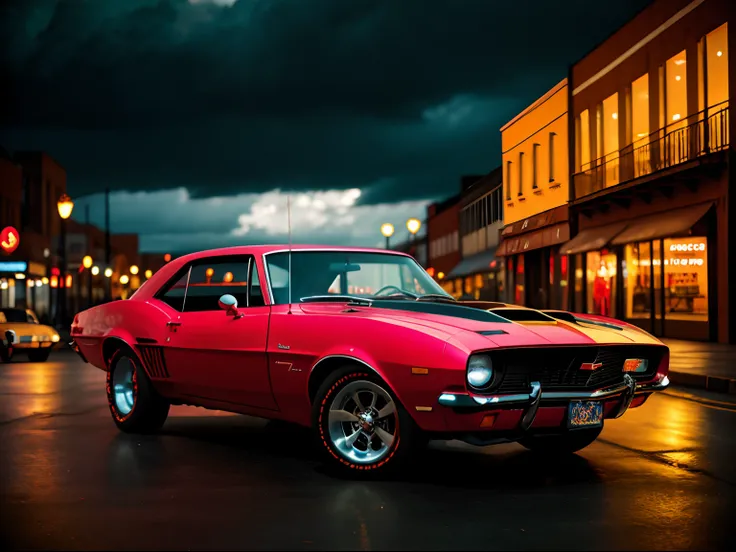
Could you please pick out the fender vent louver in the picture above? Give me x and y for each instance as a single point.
(153, 360)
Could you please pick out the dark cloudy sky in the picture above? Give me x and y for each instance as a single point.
(201, 115)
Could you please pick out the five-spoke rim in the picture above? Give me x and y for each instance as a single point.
(123, 386)
(362, 422)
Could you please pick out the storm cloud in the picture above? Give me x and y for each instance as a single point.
(397, 99)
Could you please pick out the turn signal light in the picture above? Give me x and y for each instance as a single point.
(488, 420)
(635, 365)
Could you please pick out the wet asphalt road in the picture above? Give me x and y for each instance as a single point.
(663, 477)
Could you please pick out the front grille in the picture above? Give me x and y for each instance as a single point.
(153, 360)
(559, 368)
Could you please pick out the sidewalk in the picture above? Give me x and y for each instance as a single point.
(710, 366)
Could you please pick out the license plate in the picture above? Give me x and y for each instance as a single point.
(585, 414)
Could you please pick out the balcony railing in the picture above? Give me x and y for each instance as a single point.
(668, 147)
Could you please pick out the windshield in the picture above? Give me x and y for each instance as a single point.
(16, 315)
(371, 275)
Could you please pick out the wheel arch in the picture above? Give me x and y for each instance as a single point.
(112, 344)
(331, 363)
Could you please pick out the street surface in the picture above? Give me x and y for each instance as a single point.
(663, 477)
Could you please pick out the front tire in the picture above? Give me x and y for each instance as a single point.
(41, 355)
(360, 426)
(135, 405)
(567, 443)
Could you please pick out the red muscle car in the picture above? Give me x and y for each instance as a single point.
(364, 347)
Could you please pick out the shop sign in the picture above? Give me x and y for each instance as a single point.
(9, 239)
(686, 247)
(13, 266)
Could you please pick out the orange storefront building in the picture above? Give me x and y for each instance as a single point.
(651, 191)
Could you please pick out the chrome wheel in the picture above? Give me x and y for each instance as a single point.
(363, 422)
(124, 388)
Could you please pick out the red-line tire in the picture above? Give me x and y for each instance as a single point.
(149, 409)
(406, 437)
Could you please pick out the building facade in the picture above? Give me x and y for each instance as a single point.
(651, 192)
(443, 239)
(479, 274)
(536, 193)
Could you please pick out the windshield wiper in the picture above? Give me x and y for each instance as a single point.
(403, 294)
(436, 296)
(336, 299)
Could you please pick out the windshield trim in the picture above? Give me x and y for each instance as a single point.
(271, 298)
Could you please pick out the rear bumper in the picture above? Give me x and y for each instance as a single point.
(25, 342)
(617, 398)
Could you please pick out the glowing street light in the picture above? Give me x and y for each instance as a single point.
(167, 257)
(87, 261)
(149, 273)
(124, 279)
(95, 270)
(65, 205)
(387, 229)
(134, 270)
(413, 225)
(108, 272)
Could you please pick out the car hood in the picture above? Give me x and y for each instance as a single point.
(477, 327)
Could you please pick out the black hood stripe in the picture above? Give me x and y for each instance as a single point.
(442, 309)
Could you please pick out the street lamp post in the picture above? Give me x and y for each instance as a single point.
(87, 263)
(65, 205)
(387, 229)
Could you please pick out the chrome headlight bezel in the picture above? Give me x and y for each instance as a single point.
(479, 372)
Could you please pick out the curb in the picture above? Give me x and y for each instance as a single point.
(708, 383)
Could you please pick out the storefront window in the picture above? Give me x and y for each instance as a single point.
(579, 300)
(601, 283)
(638, 280)
(686, 279)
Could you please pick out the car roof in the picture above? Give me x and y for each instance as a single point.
(264, 249)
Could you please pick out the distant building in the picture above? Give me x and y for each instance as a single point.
(443, 239)
(536, 192)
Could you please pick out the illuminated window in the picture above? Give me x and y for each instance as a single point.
(640, 124)
(609, 133)
(601, 280)
(717, 63)
(676, 89)
(583, 142)
(686, 279)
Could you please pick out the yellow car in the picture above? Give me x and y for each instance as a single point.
(21, 331)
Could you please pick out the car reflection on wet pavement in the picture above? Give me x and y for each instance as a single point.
(661, 477)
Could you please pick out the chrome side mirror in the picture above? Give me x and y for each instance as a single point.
(229, 304)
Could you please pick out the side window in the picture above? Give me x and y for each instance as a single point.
(210, 280)
(174, 296)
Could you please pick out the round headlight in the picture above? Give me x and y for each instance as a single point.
(480, 371)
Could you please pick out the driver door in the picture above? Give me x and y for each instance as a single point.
(212, 354)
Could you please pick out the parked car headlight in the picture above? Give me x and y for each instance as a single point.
(480, 371)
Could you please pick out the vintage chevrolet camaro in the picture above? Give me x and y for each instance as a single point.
(363, 346)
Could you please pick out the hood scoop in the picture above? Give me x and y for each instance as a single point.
(492, 332)
(524, 315)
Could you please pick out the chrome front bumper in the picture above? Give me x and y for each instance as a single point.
(532, 400)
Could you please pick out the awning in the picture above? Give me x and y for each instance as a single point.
(480, 262)
(671, 224)
(544, 237)
(593, 239)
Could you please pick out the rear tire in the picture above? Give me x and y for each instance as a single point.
(135, 405)
(567, 443)
(359, 424)
(41, 355)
